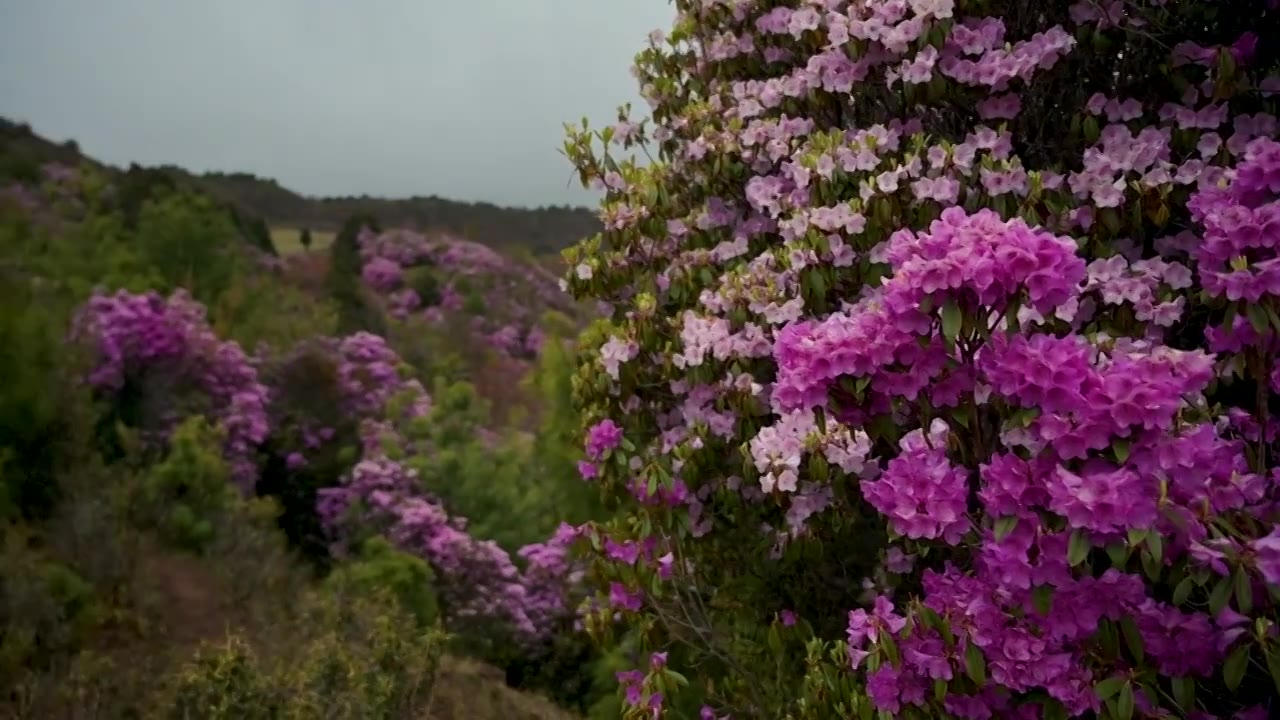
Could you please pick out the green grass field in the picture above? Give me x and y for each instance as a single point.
(287, 242)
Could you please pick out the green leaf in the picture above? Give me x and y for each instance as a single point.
(1233, 670)
(1111, 220)
(1054, 710)
(1183, 590)
(1184, 692)
(1022, 418)
(1078, 548)
(1257, 318)
(1004, 526)
(1244, 591)
(952, 319)
(1272, 316)
(1151, 567)
(1042, 598)
(1132, 639)
(1091, 130)
(975, 665)
(1120, 446)
(1155, 545)
(1124, 703)
(1220, 595)
(1109, 687)
(775, 640)
(1109, 638)
(1273, 664)
(1119, 554)
(890, 648)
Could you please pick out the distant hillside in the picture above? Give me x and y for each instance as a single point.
(541, 230)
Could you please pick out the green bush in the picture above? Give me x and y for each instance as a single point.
(32, 421)
(184, 494)
(258, 310)
(45, 609)
(360, 660)
(356, 308)
(379, 566)
(191, 242)
(369, 663)
(226, 682)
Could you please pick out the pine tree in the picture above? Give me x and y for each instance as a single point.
(354, 310)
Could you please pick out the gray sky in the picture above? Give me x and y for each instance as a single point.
(461, 98)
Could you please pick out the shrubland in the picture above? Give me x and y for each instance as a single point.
(232, 493)
(940, 378)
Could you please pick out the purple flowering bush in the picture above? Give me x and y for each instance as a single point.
(160, 356)
(324, 391)
(433, 277)
(940, 376)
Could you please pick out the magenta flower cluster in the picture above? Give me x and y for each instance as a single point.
(900, 258)
(513, 292)
(480, 584)
(136, 338)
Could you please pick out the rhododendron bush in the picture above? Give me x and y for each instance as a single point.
(941, 370)
(162, 349)
(160, 354)
(432, 277)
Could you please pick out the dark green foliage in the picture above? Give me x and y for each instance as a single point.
(45, 608)
(189, 242)
(136, 187)
(356, 310)
(307, 396)
(556, 446)
(543, 230)
(363, 661)
(254, 229)
(183, 495)
(344, 254)
(305, 239)
(473, 303)
(380, 567)
(37, 402)
(424, 281)
(226, 683)
(562, 669)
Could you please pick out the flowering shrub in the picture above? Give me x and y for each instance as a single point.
(327, 385)
(164, 348)
(940, 372)
(422, 276)
(483, 591)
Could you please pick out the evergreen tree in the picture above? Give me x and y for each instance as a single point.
(355, 312)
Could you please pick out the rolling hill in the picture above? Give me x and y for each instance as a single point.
(542, 231)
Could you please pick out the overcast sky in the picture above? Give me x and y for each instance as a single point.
(462, 98)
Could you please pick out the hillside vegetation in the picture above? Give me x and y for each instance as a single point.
(927, 367)
(541, 231)
(235, 485)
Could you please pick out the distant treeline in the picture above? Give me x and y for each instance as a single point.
(539, 230)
